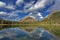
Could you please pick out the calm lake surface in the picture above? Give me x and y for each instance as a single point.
(20, 34)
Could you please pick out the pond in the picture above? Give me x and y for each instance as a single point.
(20, 34)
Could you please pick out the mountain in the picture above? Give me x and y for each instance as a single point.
(52, 18)
(28, 19)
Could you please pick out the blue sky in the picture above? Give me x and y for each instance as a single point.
(18, 9)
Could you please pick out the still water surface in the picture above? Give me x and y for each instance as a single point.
(19, 34)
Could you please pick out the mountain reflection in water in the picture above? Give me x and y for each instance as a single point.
(19, 34)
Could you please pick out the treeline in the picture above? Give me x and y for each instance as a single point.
(8, 23)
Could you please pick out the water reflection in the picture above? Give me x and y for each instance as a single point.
(19, 34)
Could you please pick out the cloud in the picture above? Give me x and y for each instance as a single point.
(8, 16)
(18, 2)
(39, 4)
(2, 13)
(12, 15)
(56, 6)
(39, 15)
(36, 15)
(2, 4)
(27, 8)
(28, 5)
(30, 13)
(11, 7)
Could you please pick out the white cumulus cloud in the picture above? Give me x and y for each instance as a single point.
(39, 4)
(18, 2)
(10, 7)
(11, 15)
(28, 5)
(55, 7)
(39, 15)
(6, 15)
(3, 13)
(2, 4)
